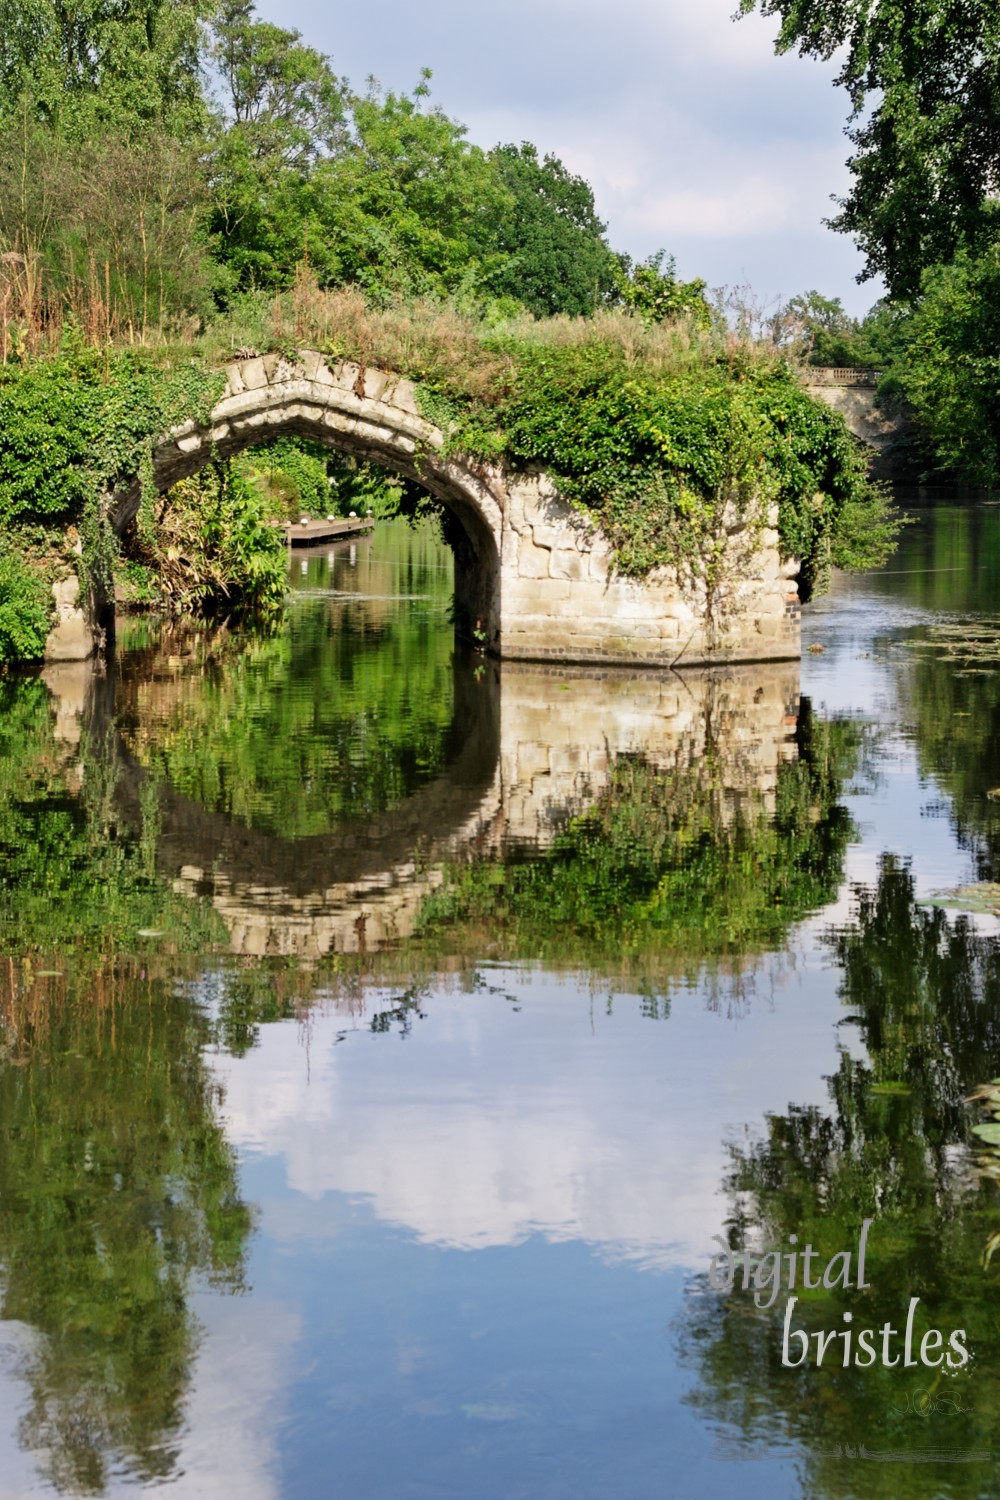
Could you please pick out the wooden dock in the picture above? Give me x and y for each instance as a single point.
(313, 533)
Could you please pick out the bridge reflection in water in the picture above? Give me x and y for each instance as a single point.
(527, 750)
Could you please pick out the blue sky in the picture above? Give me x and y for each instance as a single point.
(694, 136)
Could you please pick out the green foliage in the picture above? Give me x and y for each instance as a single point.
(303, 478)
(657, 463)
(949, 372)
(322, 725)
(400, 204)
(110, 225)
(817, 329)
(70, 880)
(135, 583)
(105, 64)
(553, 257)
(294, 474)
(117, 1187)
(411, 209)
(286, 110)
(668, 457)
(830, 512)
(279, 91)
(119, 1195)
(213, 545)
(652, 291)
(362, 487)
(885, 330)
(25, 606)
(75, 428)
(924, 84)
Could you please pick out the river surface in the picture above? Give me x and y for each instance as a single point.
(389, 1041)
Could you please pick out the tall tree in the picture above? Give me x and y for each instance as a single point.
(816, 329)
(282, 94)
(923, 78)
(948, 370)
(285, 110)
(127, 64)
(555, 256)
(410, 207)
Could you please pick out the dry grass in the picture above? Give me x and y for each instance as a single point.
(454, 349)
(34, 317)
(423, 340)
(439, 343)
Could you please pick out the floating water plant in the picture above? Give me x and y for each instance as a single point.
(973, 645)
(982, 897)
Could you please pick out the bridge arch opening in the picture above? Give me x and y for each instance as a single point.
(365, 415)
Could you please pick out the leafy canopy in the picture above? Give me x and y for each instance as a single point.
(98, 63)
(923, 78)
(555, 258)
(949, 371)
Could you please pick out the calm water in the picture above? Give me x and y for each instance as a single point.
(385, 1038)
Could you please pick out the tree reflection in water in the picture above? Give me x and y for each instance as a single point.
(923, 991)
(118, 1192)
(666, 871)
(117, 1186)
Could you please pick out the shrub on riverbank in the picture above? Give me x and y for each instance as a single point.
(211, 546)
(25, 607)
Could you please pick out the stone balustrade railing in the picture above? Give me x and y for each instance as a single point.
(830, 375)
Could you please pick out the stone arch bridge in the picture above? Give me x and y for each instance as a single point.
(853, 393)
(533, 577)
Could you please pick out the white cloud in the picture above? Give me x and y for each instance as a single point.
(756, 206)
(488, 1126)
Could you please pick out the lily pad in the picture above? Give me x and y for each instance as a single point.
(988, 1133)
(149, 932)
(983, 898)
(969, 641)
